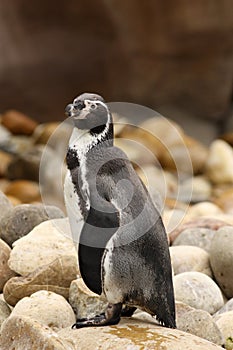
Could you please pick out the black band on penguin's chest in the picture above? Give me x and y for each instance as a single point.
(73, 164)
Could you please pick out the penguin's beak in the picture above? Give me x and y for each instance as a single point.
(77, 111)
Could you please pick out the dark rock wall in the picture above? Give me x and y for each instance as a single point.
(154, 52)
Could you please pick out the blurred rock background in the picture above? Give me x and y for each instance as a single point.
(174, 56)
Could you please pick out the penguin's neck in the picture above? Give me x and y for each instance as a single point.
(83, 141)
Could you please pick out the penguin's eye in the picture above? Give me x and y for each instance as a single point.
(93, 106)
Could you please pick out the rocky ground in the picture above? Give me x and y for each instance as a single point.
(42, 292)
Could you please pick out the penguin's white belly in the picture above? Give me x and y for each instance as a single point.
(73, 208)
(110, 286)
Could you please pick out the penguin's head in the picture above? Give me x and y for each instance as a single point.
(89, 112)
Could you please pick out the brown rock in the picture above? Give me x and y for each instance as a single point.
(209, 223)
(26, 165)
(14, 201)
(24, 333)
(5, 272)
(225, 201)
(18, 123)
(176, 156)
(26, 191)
(228, 137)
(55, 277)
(5, 158)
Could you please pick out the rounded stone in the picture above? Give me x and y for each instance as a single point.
(26, 165)
(210, 223)
(221, 259)
(198, 290)
(227, 307)
(20, 220)
(55, 277)
(199, 237)
(204, 209)
(84, 302)
(225, 201)
(4, 312)
(47, 242)
(5, 205)
(24, 333)
(198, 322)
(194, 189)
(225, 323)
(18, 123)
(5, 272)
(219, 165)
(189, 258)
(26, 191)
(6, 159)
(48, 308)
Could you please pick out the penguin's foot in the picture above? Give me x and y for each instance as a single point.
(128, 311)
(111, 316)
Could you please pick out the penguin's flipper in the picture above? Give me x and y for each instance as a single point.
(111, 316)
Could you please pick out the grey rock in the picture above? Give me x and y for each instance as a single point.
(5, 272)
(225, 323)
(227, 307)
(4, 312)
(20, 220)
(197, 236)
(198, 290)
(5, 205)
(221, 259)
(84, 302)
(26, 165)
(198, 322)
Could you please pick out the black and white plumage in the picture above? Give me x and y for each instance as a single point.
(122, 248)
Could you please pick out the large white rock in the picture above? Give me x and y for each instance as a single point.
(45, 243)
(24, 333)
(198, 290)
(186, 258)
(219, 165)
(48, 308)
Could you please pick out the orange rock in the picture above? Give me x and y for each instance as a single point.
(25, 191)
(225, 201)
(18, 123)
(5, 160)
(15, 201)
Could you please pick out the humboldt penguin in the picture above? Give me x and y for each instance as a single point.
(123, 249)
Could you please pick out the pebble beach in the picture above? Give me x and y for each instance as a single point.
(41, 291)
